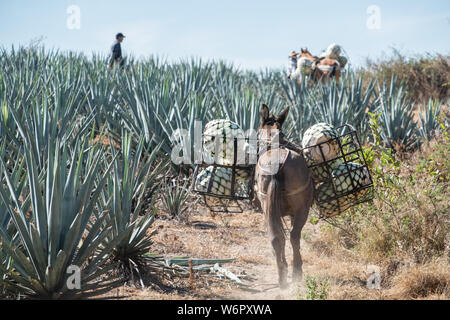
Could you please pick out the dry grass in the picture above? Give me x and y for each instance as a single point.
(431, 281)
(426, 76)
(409, 217)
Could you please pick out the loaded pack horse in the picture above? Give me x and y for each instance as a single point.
(322, 68)
(286, 191)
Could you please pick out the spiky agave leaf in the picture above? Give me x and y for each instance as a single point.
(135, 172)
(18, 175)
(398, 126)
(63, 201)
(175, 195)
(8, 289)
(157, 103)
(429, 119)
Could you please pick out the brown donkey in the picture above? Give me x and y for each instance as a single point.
(323, 68)
(285, 191)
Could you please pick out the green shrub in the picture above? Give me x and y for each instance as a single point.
(316, 289)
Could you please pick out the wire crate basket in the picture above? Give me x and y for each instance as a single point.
(341, 178)
(223, 184)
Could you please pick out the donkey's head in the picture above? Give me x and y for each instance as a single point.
(305, 53)
(269, 122)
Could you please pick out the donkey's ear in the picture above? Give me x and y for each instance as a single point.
(264, 113)
(283, 115)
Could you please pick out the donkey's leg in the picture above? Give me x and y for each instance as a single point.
(278, 244)
(298, 222)
(275, 228)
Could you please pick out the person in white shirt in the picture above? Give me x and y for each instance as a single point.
(292, 66)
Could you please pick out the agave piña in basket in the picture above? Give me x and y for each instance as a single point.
(59, 232)
(135, 172)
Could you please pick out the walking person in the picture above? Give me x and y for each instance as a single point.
(116, 51)
(292, 66)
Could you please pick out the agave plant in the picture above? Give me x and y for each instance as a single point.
(301, 114)
(157, 108)
(429, 119)
(135, 174)
(238, 103)
(361, 99)
(175, 197)
(18, 176)
(331, 102)
(59, 234)
(53, 116)
(397, 119)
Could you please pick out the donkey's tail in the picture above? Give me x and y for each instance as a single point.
(273, 214)
(336, 67)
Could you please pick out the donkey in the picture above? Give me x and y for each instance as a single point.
(285, 191)
(323, 68)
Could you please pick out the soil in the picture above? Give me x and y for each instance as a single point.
(242, 236)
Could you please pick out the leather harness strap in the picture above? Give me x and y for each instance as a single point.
(269, 173)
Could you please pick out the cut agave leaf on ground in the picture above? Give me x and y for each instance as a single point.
(227, 273)
(196, 262)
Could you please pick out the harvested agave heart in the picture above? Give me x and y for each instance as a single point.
(320, 172)
(342, 192)
(320, 133)
(330, 206)
(333, 51)
(304, 65)
(226, 131)
(342, 61)
(347, 178)
(221, 184)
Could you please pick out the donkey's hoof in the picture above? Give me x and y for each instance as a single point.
(284, 285)
(297, 276)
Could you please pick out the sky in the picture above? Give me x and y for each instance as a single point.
(250, 34)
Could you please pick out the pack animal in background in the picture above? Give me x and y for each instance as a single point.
(329, 64)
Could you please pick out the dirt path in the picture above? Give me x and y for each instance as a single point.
(242, 236)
